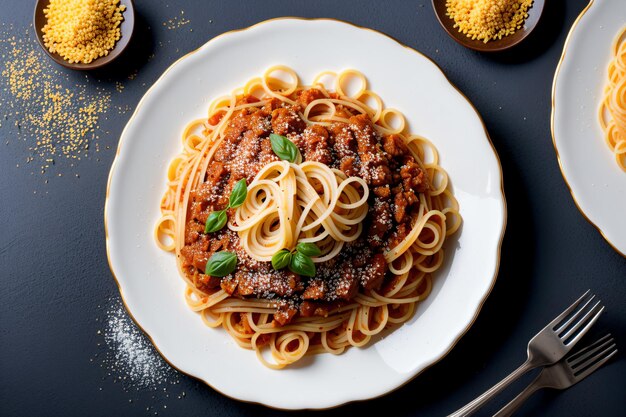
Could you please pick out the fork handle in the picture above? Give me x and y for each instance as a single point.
(473, 406)
(516, 402)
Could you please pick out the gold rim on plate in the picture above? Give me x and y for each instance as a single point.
(499, 249)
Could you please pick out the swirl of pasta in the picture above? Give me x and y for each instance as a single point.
(309, 202)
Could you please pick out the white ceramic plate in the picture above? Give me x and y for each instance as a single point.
(148, 278)
(596, 182)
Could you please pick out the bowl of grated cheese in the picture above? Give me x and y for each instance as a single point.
(84, 34)
(488, 25)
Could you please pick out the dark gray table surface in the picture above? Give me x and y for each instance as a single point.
(57, 292)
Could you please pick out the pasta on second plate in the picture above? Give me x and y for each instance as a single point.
(612, 113)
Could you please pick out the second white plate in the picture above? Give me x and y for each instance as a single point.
(596, 182)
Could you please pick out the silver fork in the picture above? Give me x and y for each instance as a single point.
(566, 372)
(548, 346)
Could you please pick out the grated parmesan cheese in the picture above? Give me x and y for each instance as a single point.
(82, 30)
(487, 20)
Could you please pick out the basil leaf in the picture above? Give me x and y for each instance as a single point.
(221, 264)
(309, 249)
(281, 259)
(216, 221)
(284, 148)
(302, 265)
(239, 194)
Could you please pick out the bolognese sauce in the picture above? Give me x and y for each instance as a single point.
(384, 162)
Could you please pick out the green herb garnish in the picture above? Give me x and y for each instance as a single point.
(309, 249)
(221, 264)
(299, 261)
(302, 265)
(284, 148)
(239, 194)
(217, 219)
(281, 259)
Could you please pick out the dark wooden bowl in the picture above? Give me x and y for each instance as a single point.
(534, 14)
(126, 29)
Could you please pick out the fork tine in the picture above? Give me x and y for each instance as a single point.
(600, 359)
(557, 321)
(579, 310)
(581, 356)
(579, 317)
(569, 339)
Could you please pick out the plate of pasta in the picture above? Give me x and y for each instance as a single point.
(307, 217)
(589, 117)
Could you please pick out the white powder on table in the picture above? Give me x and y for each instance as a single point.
(130, 359)
(128, 356)
(131, 355)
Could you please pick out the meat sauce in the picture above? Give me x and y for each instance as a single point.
(384, 162)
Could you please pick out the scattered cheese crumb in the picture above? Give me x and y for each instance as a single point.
(54, 115)
(176, 22)
(82, 30)
(487, 20)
